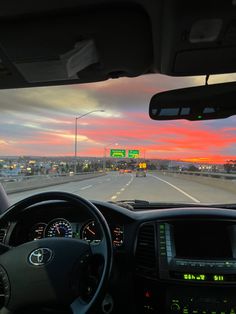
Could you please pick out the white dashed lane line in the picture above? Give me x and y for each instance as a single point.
(122, 189)
(86, 187)
(176, 188)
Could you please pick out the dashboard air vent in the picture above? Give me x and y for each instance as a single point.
(145, 254)
(2, 235)
(4, 288)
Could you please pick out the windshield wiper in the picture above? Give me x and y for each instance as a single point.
(130, 204)
(137, 204)
(228, 206)
(135, 201)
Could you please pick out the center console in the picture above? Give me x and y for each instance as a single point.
(202, 254)
(196, 268)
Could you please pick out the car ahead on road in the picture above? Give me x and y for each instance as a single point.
(122, 171)
(149, 80)
(140, 172)
(128, 171)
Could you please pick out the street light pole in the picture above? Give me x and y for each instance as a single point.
(76, 118)
(104, 159)
(76, 131)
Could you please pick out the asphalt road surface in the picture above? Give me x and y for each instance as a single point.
(155, 187)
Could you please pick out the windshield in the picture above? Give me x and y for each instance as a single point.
(97, 141)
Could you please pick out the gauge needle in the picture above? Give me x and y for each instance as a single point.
(58, 230)
(91, 231)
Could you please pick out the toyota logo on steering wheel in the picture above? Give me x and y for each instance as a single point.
(40, 256)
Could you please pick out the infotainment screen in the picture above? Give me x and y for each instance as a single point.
(202, 240)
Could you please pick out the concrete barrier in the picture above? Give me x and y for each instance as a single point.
(217, 175)
(44, 181)
(222, 183)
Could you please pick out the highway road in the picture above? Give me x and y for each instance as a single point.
(155, 187)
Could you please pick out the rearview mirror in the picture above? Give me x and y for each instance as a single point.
(206, 102)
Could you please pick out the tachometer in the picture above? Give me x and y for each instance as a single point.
(90, 232)
(59, 227)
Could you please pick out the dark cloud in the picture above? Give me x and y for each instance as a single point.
(132, 93)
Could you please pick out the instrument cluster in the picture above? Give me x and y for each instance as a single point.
(88, 231)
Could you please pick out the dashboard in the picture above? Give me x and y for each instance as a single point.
(168, 261)
(61, 220)
(88, 231)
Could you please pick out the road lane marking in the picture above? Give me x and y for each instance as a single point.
(178, 189)
(130, 181)
(122, 189)
(86, 187)
(109, 179)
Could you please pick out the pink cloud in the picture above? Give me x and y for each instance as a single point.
(176, 140)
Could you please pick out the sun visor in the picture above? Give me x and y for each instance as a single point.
(80, 46)
(66, 67)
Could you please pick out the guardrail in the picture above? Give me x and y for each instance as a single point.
(19, 178)
(217, 175)
(24, 183)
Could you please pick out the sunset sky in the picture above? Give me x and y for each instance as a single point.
(40, 122)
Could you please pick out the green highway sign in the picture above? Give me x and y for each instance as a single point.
(133, 153)
(118, 153)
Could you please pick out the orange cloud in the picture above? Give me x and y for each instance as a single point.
(210, 159)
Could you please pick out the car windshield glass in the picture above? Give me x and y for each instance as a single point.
(94, 139)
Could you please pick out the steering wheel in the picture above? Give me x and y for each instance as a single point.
(50, 271)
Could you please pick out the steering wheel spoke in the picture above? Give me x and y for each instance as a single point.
(98, 248)
(4, 248)
(79, 306)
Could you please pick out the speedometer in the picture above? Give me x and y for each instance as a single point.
(59, 227)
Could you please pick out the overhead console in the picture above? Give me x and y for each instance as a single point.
(198, 37)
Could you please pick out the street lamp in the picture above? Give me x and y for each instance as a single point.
(76, 128)
(105, 155)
